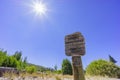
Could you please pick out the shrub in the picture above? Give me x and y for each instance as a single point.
(66, 67)
(31, 69)
(103, 68)
(14, 60)
(58, 71)
(57, 78)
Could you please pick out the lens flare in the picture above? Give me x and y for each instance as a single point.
(39, 8)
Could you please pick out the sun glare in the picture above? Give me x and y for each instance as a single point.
(39, 8)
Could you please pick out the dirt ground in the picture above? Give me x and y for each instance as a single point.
(39, 78)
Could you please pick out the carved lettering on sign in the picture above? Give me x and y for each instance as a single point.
(74, 44)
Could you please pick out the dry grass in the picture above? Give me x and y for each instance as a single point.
(99, 78)
(47, 76)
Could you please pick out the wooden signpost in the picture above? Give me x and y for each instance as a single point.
(75, 47)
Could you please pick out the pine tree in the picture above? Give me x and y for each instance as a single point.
(111, 59)
(66, 67)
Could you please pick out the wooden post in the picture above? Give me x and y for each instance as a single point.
(78, 71)
(75, 47)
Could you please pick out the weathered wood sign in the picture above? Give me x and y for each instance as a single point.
(75, 47)
(74, 44)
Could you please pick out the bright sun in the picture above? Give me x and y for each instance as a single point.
(39, 8)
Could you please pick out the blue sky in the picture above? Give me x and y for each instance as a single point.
(41, 38)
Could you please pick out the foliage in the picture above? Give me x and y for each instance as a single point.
(111, 59)
(66, 67)
(31, 69)
(14, 60)
(9, 61)
(2, 56)
(103, 68)
(17, 61)
(40, 68)
(18, 55)
(58, 72)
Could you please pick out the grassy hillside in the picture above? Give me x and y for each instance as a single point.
(40, 68)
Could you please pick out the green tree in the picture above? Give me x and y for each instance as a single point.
(66, 67)
(9, 61)
(2, 56)
(14, 61)
(111, 59)
(5, 62)
(20, 65)
(18, 55)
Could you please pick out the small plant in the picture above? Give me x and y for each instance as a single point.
(22, 75)
(9, 75)
(31, 69)
(58, 72)
(57, 78)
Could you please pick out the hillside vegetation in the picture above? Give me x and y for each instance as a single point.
(96, 68)
(17, 61)
(103, 68)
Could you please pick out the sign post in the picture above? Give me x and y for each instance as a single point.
(75, 47)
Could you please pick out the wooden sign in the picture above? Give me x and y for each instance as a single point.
(74, 44)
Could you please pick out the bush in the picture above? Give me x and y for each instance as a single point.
(103, 68)
(14, 60)
(31, 69)
(57, 78)
(58, 71)
(66, 67)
